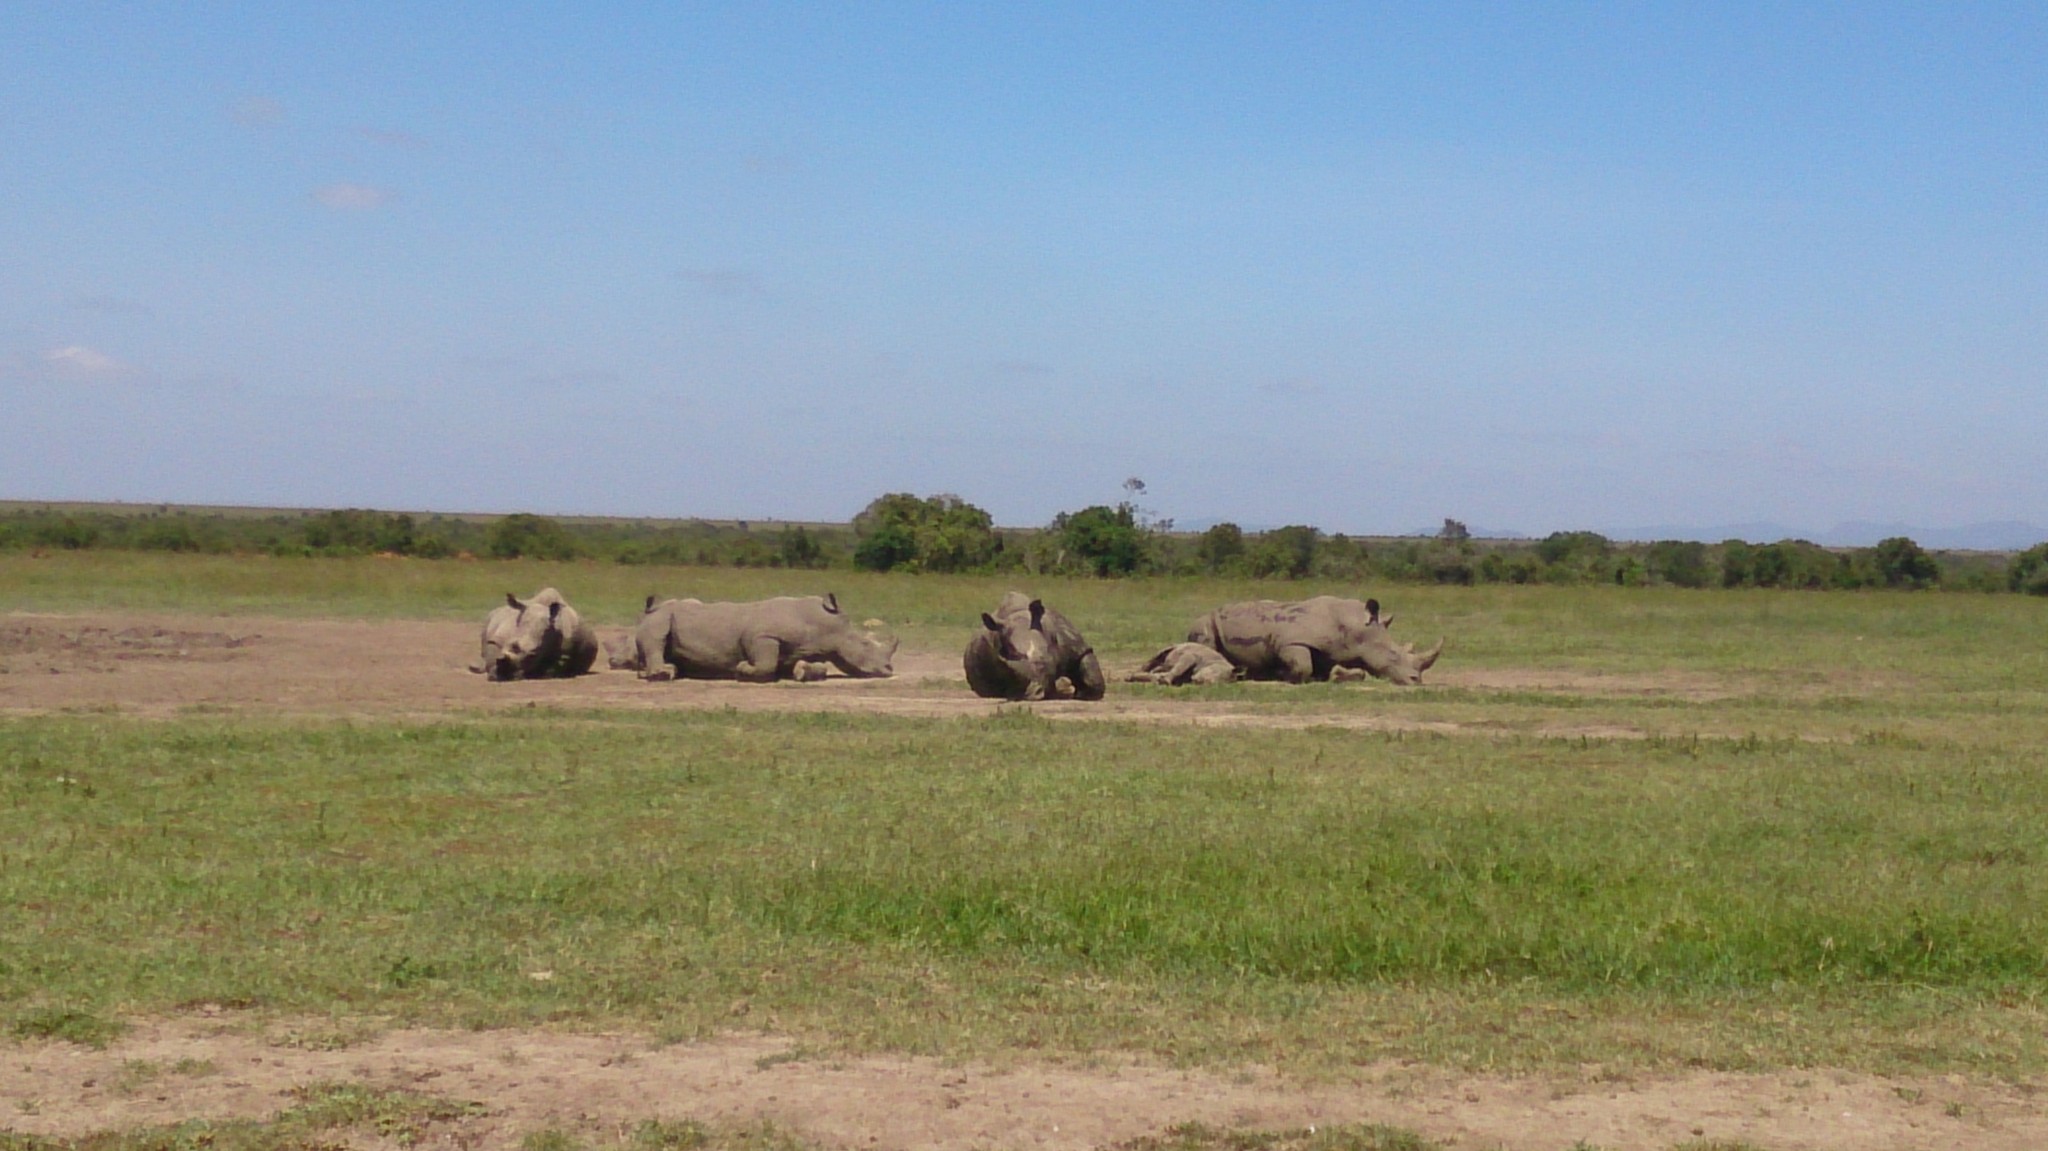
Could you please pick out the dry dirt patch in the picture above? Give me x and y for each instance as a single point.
(166, 664)
(600, 1085)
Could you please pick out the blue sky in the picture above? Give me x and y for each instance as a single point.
(1360, 266)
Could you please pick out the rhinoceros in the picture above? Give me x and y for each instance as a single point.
(1185, 663)
(541, 637)
(622, 651)
(790, 637)
(1304, 641)
(1025, 648)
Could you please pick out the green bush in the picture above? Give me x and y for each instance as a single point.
(2028, 572)
(358, 532)
(800, 549)
(174, 535)
(68, 533)
(941, 534)
(1681, 563)
(525, 536)
(1288, 552)
(1221, 547)
(1573, 547)
(1901, 563)
(1102, 541)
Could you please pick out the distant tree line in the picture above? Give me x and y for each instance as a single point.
(944, 533)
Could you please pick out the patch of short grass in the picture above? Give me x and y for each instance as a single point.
(1316, 897)
(81, 1027)
(318, 1111)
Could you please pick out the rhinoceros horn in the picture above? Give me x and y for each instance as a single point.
(648, 606)
(514, 601)
(1372, 611)
(832, 603)
(1423, 661)
(1037, 615)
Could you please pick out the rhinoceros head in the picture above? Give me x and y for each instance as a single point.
(1020, 641)
(1395, 662)
(866, 656)
(534, 638)
(1403, 664)
(858, 653)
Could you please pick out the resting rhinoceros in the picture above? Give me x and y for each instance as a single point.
(622, 651)
(542, 637)
(761, 641)
(1298, 642)
(1185, 663)
(1024, 648)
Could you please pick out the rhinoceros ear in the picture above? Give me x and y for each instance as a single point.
(1372, 611)
(1037, 615)
(832, 603)
(988, 621)
(514, 601)
(554, 610)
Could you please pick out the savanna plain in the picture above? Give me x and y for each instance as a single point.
(1635, 867)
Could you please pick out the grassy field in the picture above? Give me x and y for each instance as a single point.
(1834, 851)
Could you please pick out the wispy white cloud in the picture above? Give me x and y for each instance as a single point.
(77, 359)
(257, 112)
(351, 197)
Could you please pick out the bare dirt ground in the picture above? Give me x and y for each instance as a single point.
(600, 1086)
(597, 1084)
(168, 664)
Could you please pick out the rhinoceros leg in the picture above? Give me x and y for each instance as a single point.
(1087, 678)
(764, 660)
(1297, 663)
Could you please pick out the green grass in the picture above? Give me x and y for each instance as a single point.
(968, 886)
(1829, 849)
(318, 1111)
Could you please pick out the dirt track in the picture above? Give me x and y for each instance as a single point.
(600, 1086)
(167, 664)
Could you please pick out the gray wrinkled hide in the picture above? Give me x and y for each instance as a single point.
(541, 637)
(1300, 642)
(1185, 663)
(622, 651)
(1023, 649)
(791, 637)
